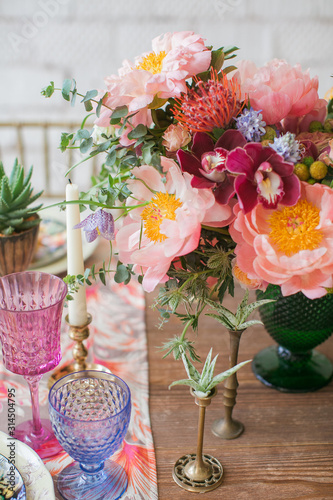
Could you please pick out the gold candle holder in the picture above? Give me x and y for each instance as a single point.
(199, 472)
(227, 427)
(80, 353)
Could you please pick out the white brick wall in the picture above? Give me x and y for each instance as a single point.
(43, 40)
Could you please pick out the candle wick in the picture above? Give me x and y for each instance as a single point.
(69, 181)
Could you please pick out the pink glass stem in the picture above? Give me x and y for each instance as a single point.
(33, 382)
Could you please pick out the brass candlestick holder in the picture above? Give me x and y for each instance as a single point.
(197, 472)
(80, 353)
(227, 427)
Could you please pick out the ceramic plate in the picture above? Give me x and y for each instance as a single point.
(11, 482)
(37, 479)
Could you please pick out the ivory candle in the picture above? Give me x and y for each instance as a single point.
(77, 308)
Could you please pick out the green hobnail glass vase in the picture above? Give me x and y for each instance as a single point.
(298, 325)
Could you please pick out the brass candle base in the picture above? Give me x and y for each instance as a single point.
(184, 473)
(80, 353)
(199, 472)
(227, 429)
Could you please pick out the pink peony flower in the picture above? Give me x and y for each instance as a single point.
(265, 178)
(278, 90)
(292, 246)
(162, 72)
(170, 224)
(175, 137)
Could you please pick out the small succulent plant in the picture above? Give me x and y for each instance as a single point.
(237, 322)
(15, 198)
(202, 384)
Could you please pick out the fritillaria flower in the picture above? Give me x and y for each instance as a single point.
(98, 223)
(207, 163)
(209, 105)
(263, 177)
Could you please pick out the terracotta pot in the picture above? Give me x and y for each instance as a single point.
(17, 250)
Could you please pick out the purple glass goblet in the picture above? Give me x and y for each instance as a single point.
(90, 413)
(31, 306)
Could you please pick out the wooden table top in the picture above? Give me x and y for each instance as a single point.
(286, 450)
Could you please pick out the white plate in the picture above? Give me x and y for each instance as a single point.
(37, 479)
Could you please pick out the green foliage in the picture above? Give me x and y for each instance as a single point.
(237, 322)
(203, 383)
(16, 194)
(48, 91)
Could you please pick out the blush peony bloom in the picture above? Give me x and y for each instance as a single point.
(170, 224)
(267, 178)
(162, 73)
(207, 163)
(278, 90)
(291, 246)
(175, 137)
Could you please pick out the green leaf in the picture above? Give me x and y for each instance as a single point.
(254, 305)
(82, 134)
(188, 382)
(90, 95)
(48, 91)
(102, 276)
(86, 145)
(88, 106)
(228, 69)
(6, 193)
(2, 170)
(191, 371)
(223, 321)
(118, 113)
(157, 102)
(217, 59)
(247, 324)
(139, 131)
(99, 106)
(104, 146)
(121, 274)
(66, 88)
(222, 376)
(111, 158)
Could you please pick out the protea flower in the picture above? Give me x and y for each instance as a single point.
(209, 105)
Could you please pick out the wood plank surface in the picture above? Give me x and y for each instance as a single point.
(286, 450)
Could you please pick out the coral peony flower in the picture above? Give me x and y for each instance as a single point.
(97, 223)
(209, 105)
(169, 225)
(162, 72)
(267, 178)
(278, 90)
(175, 137)
(207, 163)
(291, 246)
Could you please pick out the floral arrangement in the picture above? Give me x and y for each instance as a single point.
(211, 173)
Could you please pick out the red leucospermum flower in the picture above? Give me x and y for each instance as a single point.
(209, 105)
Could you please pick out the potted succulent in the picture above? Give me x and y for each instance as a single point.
(19, 223)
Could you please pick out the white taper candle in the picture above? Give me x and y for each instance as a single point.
(77, 308)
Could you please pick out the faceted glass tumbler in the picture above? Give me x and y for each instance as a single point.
(298, 325)
(90, 413)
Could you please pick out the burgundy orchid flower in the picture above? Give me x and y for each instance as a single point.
(207, 163)
(263, 177)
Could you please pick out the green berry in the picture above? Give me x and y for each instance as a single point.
(308, 160)
(311, 181)
(315, 126)
(302, 171)
(328, 126)
(318, 170)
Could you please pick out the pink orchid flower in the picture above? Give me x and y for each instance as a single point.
(207, 163)
(263, 177)
(169, 225)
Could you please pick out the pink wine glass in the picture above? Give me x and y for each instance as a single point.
(31, 306)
